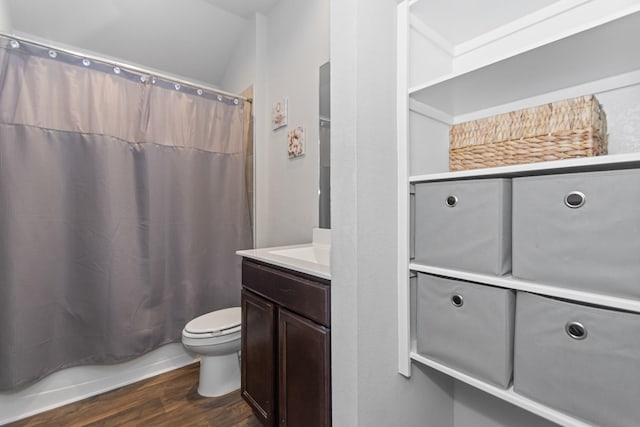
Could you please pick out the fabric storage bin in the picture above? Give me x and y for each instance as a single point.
(466, 326)
(579, 231)
(581, 360)
(464, 225)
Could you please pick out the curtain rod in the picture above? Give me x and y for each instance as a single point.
(110, 61)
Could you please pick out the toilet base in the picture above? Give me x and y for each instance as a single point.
(219, 375)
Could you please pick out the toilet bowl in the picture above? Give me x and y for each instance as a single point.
(215, 337)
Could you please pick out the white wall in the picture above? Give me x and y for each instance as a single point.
(281, 54)
(190, 38)
(474, 408)
(297, 43)
(240, 72)
(5, 18)
(367, 390)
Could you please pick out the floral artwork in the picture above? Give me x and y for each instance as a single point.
(279, 114)
(296, 142)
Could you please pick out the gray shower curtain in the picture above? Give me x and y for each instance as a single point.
(122, 202)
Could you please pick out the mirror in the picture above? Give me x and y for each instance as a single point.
(324, 192)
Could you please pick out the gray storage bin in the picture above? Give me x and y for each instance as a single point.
(466, 326)
(464, 225)
(594, 375)
(579, 231)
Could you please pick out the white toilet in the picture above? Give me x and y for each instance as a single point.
(215, 337)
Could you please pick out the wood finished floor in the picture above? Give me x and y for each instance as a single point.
(170, 399)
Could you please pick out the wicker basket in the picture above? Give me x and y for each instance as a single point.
(565, 129)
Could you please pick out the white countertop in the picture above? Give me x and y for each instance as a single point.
(313, 259)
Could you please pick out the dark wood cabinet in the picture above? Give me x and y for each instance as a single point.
(258, 355)
(286, 339)
(304, 377)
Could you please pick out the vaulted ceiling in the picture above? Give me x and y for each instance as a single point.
(244, 8)
(190, 38)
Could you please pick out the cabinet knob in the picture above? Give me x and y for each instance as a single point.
(457, 300)
(576, 330)
(575, 199)
(451, 201)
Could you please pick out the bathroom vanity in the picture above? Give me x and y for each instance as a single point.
(286, 335)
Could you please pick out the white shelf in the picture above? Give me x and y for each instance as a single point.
(596, 54)
(465, 32)
(507, 395)
(584, 164)
(521, 285)
(454, 68)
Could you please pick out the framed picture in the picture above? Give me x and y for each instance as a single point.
(279, 114)
(295, 139)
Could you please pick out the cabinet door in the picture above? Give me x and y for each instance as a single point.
(258, 355)
(304, 387)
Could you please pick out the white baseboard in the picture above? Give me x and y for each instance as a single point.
(73, 384)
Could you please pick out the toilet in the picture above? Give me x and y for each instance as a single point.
(215, 337)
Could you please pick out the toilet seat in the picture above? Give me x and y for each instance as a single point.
(217, 323)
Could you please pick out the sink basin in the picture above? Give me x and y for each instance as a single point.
(317, 254)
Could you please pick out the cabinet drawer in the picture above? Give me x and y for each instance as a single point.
(309, 298)
(582, 360)
(579, 231)
(466, 326)
(464, 225)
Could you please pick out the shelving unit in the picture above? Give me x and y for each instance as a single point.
(538, 288)
(455, 67)
(560, 43)
(587, 164)
(507, 395)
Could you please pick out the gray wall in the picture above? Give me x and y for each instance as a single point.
(367, 390)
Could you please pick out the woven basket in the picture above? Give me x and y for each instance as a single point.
(561, 130)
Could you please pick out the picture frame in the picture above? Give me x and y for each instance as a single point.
(295, 143)
(279, 114)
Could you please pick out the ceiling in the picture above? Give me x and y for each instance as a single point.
(244, 8)
(194, 39)
(462, 20)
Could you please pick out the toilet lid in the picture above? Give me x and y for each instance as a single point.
(226, 320)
